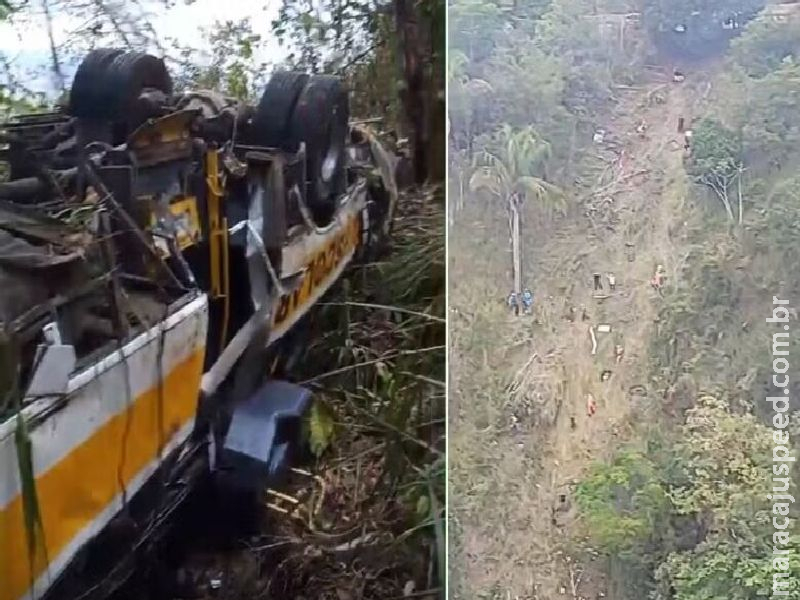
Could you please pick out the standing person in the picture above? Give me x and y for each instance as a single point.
(612, 281)
(591, 405)
(681, 124)
(655, 283)
(527, 301)
(513, 303)
(661, 275)
(659, 278)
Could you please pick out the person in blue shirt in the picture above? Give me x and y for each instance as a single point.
(527, 300)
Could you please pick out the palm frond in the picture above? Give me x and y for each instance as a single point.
(11, 400)
(478, 86)
(512, 164)
(485, 179)
(535, 187)
(523, 151)
(487, 160)
(30, 501)
(550, 196)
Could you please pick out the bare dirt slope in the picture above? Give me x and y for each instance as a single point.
(520, 435)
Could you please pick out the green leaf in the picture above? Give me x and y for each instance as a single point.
(423, 508)
(320, 428)
(246, 49)
(307, 22)
(439, 528)
(34, 530)
(485, 180)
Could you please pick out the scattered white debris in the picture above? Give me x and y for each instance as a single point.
(619, 353)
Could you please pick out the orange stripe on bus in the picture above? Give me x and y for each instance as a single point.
(77, 488)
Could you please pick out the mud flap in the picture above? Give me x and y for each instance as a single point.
(264, 436)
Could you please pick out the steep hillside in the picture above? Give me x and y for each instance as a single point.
(548, 501)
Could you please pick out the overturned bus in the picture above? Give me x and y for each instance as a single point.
(155, 249)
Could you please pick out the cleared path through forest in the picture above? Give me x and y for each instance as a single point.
(631, 221)
(642, 206)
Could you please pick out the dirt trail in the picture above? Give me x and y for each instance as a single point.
(646, 210)
(646, 216)
(519, 550)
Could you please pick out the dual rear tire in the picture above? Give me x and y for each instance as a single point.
(113, 85)
(109, 86)
(314, 110)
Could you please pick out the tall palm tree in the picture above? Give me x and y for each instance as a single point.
(509, 169)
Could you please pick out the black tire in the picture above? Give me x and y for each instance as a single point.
(108, 84)
(128, 76)
(89, 93)
(270, 126)
(321, 120)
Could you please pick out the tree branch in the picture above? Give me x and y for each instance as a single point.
(114, 22)
(56, 63)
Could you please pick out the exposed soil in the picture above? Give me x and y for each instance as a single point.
(515, 458)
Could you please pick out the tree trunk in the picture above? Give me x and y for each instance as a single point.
(460, 191)
(422, 92)
(58, 75)
(412, 92)
(739, 182)
(515, 250)
(723, 195)
(567, 177)
(721, 190)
